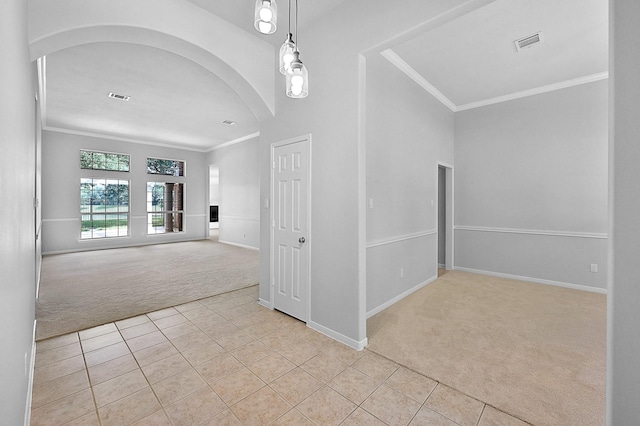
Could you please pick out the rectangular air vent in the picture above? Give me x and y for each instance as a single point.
(120, 97)
(528, 41)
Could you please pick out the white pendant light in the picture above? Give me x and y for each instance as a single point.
(298, 78)
(266, 16)
(286, 50)
(297, 84)
(286, 54)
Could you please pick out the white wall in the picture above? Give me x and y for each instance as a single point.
(333, 115)
(17, 229)
(623, 344)
(408, 132)
(214, 185)
(61, 175)
(239, 193)
(526, 171)
(442, 215)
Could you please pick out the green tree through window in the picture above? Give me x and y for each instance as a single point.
(165, 207)
(104, 208)
(159, 166)
(104, 161)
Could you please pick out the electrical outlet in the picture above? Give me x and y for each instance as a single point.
(401, 272)
(594, 267)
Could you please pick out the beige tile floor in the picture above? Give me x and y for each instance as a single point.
(226, 360)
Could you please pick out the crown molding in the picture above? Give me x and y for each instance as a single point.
(235, 141)
(414, 75)
(119, 138)
(396, 60)
(536, 90)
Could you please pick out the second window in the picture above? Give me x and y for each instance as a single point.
(165, 207)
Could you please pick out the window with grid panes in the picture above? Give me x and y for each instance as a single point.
(104, 208)
(96, 160)
(165, 207)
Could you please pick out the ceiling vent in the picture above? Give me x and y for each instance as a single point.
(120, 97)
(528, 41)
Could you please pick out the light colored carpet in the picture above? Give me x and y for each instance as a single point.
(534, 351)
(82, 290)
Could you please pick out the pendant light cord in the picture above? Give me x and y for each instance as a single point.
(297, 39)
(289, 16)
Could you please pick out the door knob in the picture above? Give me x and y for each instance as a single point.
(301, 240)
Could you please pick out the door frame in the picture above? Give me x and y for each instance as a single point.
(449, 205)
(305, 138)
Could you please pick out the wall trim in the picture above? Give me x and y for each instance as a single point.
(76, 250)
(399, 297)
(121, 138)
(414, 75)
(534, 280)
(357, 345)
(244, 218)
(536, 91)
(32, 366)
(265, 303)
(235, 141)
(532, 232)
(402, 238)
(238, 245)
(76, 219)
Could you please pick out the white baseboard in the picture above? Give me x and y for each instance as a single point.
(140, 244)
(32, 366)
(399, 297)
(238, 245)
(534, 280)
(265, 303)
(357, 345)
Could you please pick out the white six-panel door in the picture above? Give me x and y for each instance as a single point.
(290, 226)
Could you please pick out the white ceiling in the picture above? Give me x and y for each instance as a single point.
(468, 62)
(473, 60)
(173, 100)
(240, 14)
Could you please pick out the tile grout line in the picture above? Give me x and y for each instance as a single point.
(481, 413)
(194, 365)
(86, 369)
(257, 338)
(142, 372)
(443, 384)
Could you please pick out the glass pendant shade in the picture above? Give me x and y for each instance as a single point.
(298, 79)
(286, 55)
(266, 16)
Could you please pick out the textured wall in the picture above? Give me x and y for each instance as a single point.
(239, 193)
(17, 230)
(408, 133)
(531, 186)
(61, 175)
